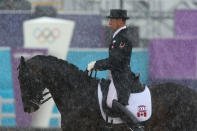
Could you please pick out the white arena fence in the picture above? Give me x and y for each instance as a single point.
(12, 114)
(5, 115)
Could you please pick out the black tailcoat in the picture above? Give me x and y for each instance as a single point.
(118, 62)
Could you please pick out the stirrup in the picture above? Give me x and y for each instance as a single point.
(108, 126)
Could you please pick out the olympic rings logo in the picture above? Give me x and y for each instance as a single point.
(46, 35)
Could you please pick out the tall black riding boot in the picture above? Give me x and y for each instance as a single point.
(127, 116)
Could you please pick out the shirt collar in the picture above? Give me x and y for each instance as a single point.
(124, 27)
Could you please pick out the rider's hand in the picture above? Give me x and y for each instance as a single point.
(91, 65)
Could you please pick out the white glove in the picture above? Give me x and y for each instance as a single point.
(91, 65)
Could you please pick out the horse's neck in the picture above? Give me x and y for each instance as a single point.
(59, 98)
(65, 96)
(69, 86)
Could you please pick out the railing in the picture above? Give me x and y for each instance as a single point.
(6, 115)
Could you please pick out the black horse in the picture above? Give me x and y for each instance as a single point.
(174, 107)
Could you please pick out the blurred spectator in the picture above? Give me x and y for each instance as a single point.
(5, 4)
(21, 5)
(48, 11)
(15, 5)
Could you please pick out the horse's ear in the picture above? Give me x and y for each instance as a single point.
(22, 63)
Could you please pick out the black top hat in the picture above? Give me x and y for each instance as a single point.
(118, 13)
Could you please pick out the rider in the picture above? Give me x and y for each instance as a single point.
(118, 63)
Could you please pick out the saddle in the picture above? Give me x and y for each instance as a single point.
(140, 90)
(105, 88)
(138, 110)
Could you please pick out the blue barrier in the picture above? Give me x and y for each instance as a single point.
(5, 69)
(81, 58)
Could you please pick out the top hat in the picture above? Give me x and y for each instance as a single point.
(118, 13)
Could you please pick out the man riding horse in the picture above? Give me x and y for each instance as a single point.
(118, 62)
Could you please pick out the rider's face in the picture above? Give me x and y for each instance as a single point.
(113, 23)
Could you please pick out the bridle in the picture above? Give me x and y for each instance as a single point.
(42, 102)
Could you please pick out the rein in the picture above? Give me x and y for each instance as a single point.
(43, 101)
(90, 73)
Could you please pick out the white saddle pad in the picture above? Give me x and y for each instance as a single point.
(140, 104)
